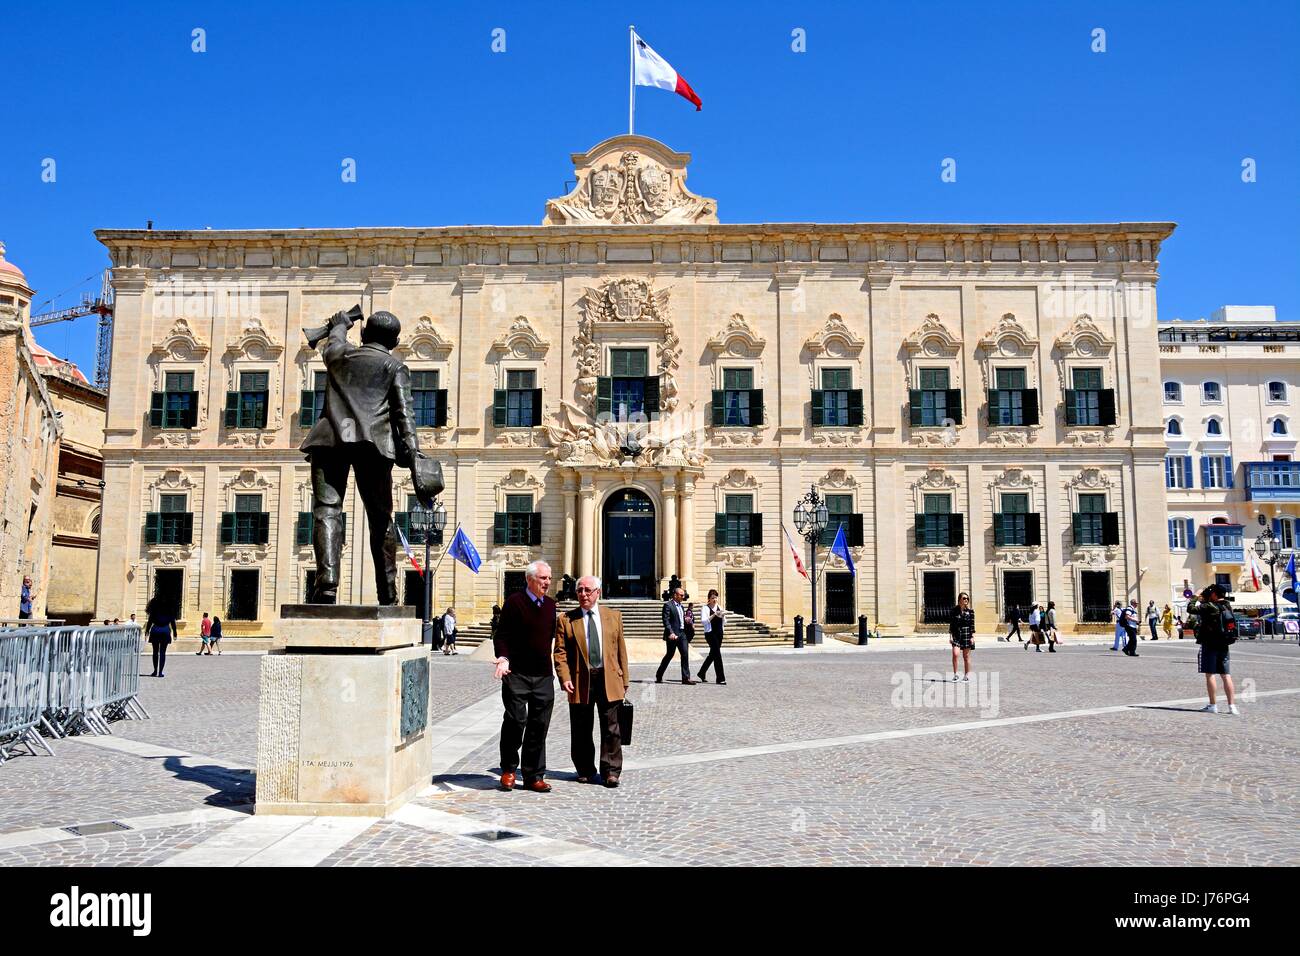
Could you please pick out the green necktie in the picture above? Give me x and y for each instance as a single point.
(593, 642)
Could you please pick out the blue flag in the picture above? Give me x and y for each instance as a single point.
(463, 550)
(1290, 569)
(841, 547)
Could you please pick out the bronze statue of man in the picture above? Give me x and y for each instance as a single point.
(367, 426)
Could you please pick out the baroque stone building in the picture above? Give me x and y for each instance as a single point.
(636, 389)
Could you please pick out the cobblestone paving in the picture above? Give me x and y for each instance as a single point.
(1155, 786)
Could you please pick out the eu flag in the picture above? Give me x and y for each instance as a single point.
(841, 547)
(463, 550)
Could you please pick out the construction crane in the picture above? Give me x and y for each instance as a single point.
(101, 305)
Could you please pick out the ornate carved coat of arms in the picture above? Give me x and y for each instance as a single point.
(638, 191)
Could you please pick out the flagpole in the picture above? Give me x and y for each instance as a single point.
(631, 77)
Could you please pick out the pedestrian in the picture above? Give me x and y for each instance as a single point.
(1117, 617)
(449, 631)
(713, 614)
(1167, 623)
(961, 634)
(25, 599)
(1215, 635)
(1153, 618)
(205, 635)
(1129, 621)
(1035, 629)
(674, 621)
(215, 637)
(160, 625)
(524, 645)
(591, 664)
(1013, 618)
(496, 617)
(1048, 625)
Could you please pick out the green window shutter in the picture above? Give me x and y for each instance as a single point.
(993, 407)
(1110, 527)
(920, 530)
(537, 406)
(156, 406)
(856, 537)
(499, 396)
(756, 530)
(818, 407)
(956, 530)
(192, 413)
(718, 405)
(652, 397)
(262, 412)
(306, 408)
(1030, 401)
(1071, 411)
(535, 528)
(232, 409)
(227, 527)
(719, 529)
(402, 521)
(954, 405)
(152, 528)
(855, 407)
(1033, 529)
(500, 521)
(263, 527)
(1106, 406)
(604, 396)
(187, 528)
(302, 533)
(756, 406)
(999, 531)
(440, 408)
(1076, 523)
(914, 405)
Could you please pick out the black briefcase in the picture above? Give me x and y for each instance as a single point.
(625, 721)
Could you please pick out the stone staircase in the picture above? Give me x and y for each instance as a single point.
(643, 619)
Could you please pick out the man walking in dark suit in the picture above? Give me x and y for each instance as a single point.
(591, 663)
(675, 637)
(523, 642)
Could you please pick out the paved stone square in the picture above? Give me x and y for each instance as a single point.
(863, 757)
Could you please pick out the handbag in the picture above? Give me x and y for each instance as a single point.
(625, 715)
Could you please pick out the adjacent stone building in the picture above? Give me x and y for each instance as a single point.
(1230, 398)
(636, 389)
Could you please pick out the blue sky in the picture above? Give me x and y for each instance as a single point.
(252, 132)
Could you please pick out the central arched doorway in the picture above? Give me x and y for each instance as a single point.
(629, 551)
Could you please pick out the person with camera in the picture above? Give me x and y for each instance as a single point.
(1216, 631)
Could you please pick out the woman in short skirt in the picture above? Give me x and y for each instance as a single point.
(961, 634)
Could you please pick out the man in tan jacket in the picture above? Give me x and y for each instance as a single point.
(591, 663)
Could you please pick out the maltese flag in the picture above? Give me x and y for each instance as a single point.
(794, 553)
(650, 69)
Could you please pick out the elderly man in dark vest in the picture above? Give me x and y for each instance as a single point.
(523, 641)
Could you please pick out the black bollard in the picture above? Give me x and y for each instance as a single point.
(798, 630)
(862, 630)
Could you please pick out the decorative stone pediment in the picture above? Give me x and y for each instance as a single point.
(1095, 556)
(835, 339)
(254, 342)
(1017, 557)
(737, 479)
(1008, 337)
(247, 479)
(180, 344)
(740, 557)
(738, 339)
(1084, 337)
(938, 557)
(626, 310)
(943, 437)
(1090, 479)
(932, 338)
(935, 479)
(172, 480)
(520, 341)
(425, 342)
(630, 180)
(1012, 479)
(520, 480)
(838, 479)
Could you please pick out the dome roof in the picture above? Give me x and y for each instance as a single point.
(51, 364)
(9, 272)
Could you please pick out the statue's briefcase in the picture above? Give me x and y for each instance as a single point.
(426, 474)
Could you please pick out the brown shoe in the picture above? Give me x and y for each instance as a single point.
(508, 780)
(538, 786)
(689, 681)
(611, 780)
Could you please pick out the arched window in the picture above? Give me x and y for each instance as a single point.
(1212, 427)
(1173, 428)
(1279, 427)
(94, 524)
(1173, 392)
(1212, 392)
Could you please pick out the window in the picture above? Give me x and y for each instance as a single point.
(1087, 402)
(934, 403)
(1227, 537)
(427, 400)
(935, 525)
(1213, 427)
(1007, 401)
(1279, 427)
(1277, 391)
(1089, 519)
(519, 398)
(938, 596)
(1216, 471)
(1223, 580)
(738, 406)
(248, 512)
(173, 526)
(1012, 526)
(839, 510)
(1178, 471)
(629, 396)
(1173, 392)
(243, 595)
(836, 383)
(1212, 392)
(311, 403)
(1173, 427)
(246, 408)
(1180, 533)
(179, 408)
(518, 519)
(1286, 533)
(738, 523)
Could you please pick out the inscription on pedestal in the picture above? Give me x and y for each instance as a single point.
(415, 695)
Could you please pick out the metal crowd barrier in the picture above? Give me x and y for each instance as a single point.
(66, 680)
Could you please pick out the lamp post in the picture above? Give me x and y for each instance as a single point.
(1269, 548)
(425, 520)
(811, 518)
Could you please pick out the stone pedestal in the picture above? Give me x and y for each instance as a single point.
(343, 716)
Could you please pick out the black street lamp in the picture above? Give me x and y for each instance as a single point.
(810, 518)
(1269, 549)
(425, 520)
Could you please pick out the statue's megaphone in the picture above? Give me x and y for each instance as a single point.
(315, 334)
